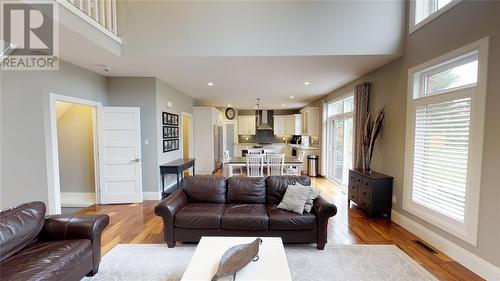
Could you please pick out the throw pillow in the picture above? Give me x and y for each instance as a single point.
(295, 198)
(310, 199)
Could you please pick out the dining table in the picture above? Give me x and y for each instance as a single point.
(289, 161)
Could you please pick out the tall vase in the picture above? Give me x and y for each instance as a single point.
(365, 159)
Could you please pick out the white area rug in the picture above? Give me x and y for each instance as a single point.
(347, 262)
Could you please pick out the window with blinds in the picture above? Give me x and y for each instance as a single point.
(441, 156)
(445, 125)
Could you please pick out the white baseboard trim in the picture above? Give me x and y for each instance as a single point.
(77, 199)
(151, 195)
(474, 263)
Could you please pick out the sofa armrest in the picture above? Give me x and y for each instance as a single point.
(170, 205)
(167, 208)
(323, 211)
(66, 227)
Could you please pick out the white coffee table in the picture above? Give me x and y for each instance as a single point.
(272, 263)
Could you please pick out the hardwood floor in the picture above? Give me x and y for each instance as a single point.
(137, 223)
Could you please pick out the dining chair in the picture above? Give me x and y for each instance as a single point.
(254, 165)
(254, 151)
(275, 164)
(294, 169)
(268, 151)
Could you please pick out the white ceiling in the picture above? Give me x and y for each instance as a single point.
(240, 79)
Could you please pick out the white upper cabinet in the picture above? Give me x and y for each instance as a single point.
(287, 125)
(293, 124)
(246, 125)
(279, 126)
(310, 121)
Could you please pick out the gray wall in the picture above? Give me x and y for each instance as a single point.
(75, 139)
(26, 125)
(152, 96)
(140, 92)
(181, 102)
(466, 23)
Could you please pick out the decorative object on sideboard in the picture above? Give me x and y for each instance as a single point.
(237, 257)
(370, 134)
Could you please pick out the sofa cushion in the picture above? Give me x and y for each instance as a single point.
(284, 220)
(199, 215)
(247, 190)
(277, 185)
(19, 226)
(245, 217)
(49, 260)
(205, 189)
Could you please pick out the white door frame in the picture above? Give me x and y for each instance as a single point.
(52, 151)
(191, 132)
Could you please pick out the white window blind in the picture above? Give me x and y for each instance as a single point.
(445, 130)
(441, 157)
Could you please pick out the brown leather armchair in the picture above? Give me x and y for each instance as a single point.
(61, 247)
(241, 206)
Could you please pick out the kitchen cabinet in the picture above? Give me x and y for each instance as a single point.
(287, 125)
(279, 125)
(310, 121)
(293, 124)
(246, 125)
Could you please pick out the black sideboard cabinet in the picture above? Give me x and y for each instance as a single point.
(371, 191)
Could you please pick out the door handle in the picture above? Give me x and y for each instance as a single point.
(136, 160)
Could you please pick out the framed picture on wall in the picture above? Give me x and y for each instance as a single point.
(170, 132)
(170, 119)
(170, 145)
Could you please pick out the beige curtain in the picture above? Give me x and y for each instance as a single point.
(361, 110)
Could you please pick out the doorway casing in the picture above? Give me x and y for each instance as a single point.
(52, 150)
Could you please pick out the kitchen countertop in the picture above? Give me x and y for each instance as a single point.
(303, 147)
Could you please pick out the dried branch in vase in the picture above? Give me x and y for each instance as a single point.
(370, 134)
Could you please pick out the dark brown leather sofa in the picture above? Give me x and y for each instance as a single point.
(62, 247)
(241, 206)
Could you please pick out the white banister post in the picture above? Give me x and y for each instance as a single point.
(113, 12)
(108, 15)
(102, 12)
(89, 7)
(96, 10)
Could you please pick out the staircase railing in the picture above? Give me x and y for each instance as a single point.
(100, 13)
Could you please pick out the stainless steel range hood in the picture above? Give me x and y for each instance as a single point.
(262, 121)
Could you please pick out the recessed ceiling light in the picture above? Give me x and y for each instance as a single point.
(210, 84)
(306, 83)
(228, 105)
(292, 97)
(283, 104)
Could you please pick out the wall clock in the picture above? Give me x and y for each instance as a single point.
(230, 113)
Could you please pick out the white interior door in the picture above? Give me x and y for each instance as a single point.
(120, 154)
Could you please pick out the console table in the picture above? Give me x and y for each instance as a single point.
(372, 192)
(175, 167)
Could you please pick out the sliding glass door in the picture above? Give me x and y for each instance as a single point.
(340, 131)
